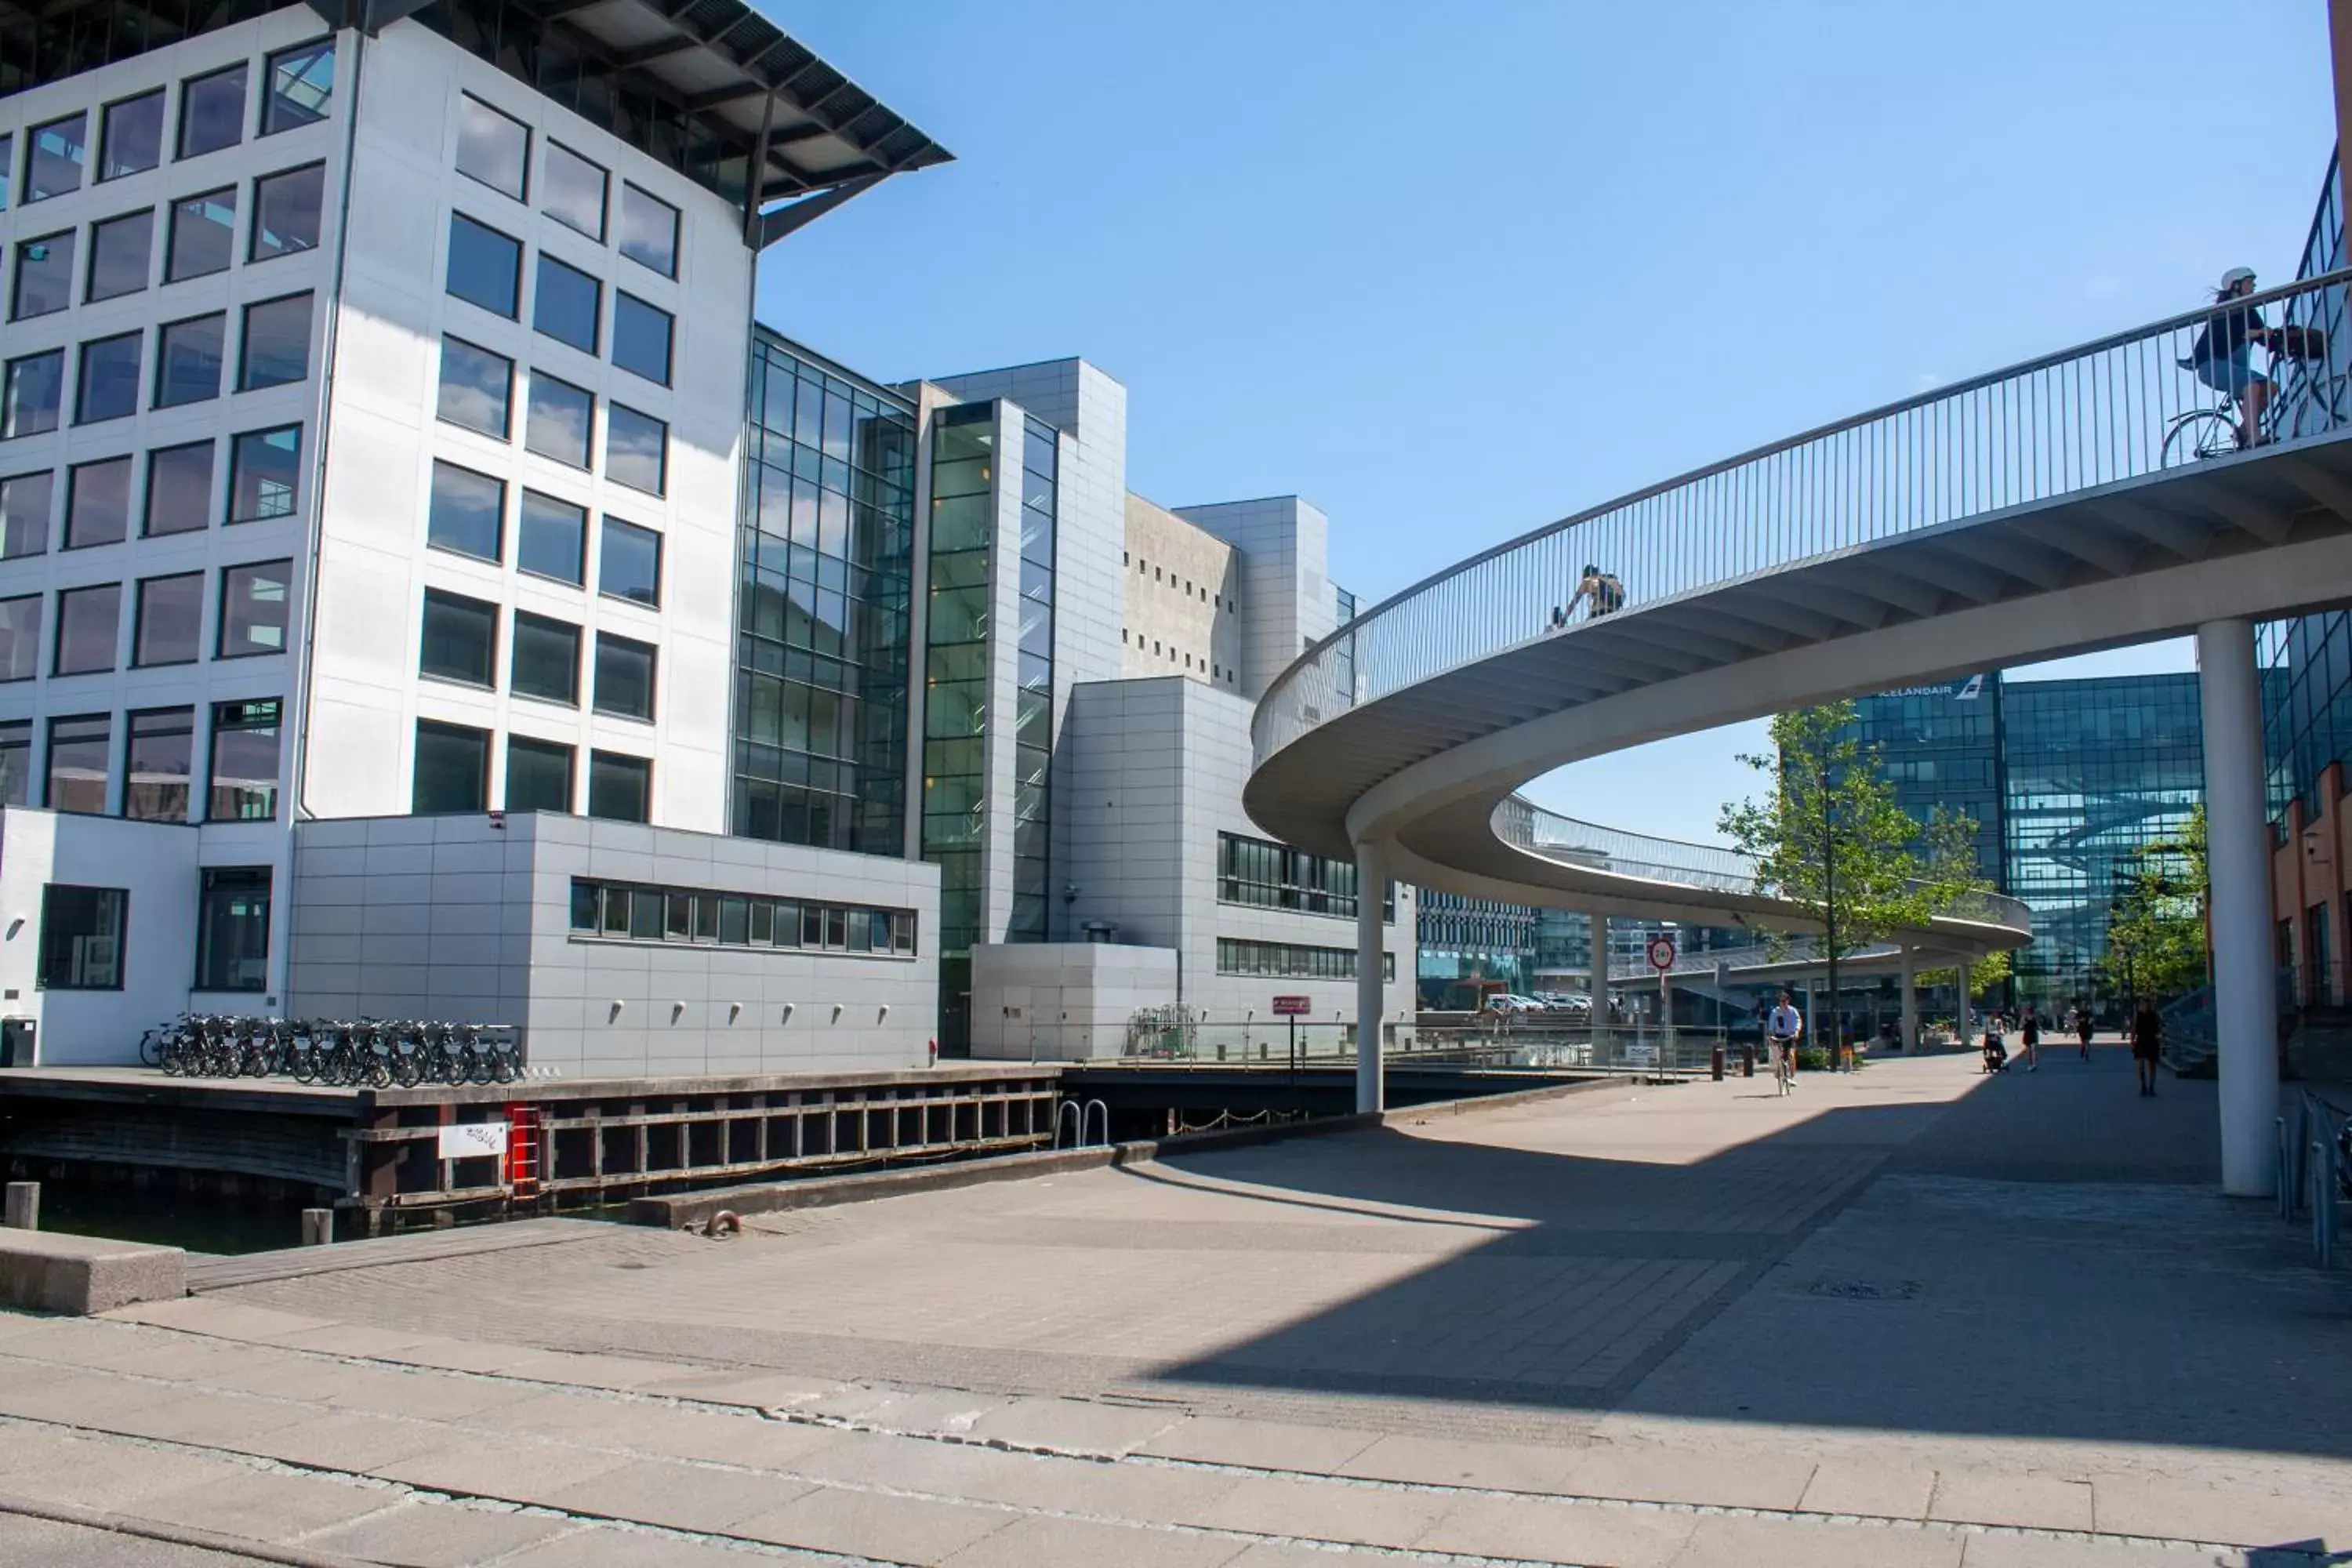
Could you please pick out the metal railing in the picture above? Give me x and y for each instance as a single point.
(1542, 1043)
(2093, 415)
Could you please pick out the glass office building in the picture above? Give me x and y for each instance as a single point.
(1940, 745)
(1470, 945)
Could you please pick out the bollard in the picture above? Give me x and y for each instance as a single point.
(1747, 1061)
(23, 1206)
(1716, 1063)
(318, 1227)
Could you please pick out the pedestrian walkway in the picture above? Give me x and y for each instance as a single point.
(1909, 1315)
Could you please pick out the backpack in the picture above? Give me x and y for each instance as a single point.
(1608, 595)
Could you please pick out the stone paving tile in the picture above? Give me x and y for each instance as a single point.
(1261, 1445)
(678, 1495)
(416, 1534)
(765, 1391)
(666, 1430)
(604, 1546)
(209, 1420)
(218, 1317)
(1987, 1550)
(424, 1394)
(190, 1358)
(1075, 1544)
(461, 1356)
(1433, 1461)
(311, 1379)
(348, 1440)
(515, 1469)
(1150, 1493)
(611, 1371)
(2190, 1513)
(1720, 1541)
(902, 1409)
(2041, 1502)
(1662, 1475)
(871, 1524)
(81, 1342)
(1544, 1530)
(1075, 1426)
(107, 1476)
(1323, 1511)
(263, 1505)
(41, 1543)
(91, 1399)
(1882, 1492)
(350, 1340)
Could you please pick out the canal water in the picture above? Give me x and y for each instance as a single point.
(163, 1216)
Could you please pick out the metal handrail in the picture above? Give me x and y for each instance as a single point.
(2093, 415)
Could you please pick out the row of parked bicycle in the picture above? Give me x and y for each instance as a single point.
(377, 1052)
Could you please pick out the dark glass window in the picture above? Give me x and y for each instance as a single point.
(461, 638)
(108, 382)
(233, 929)
(453, 769)
(120, 249)
(468, 513)
(551, 538)
(485, 267)
(170, 620)
(212, 112)
(15, 741)
(204, 236)
(539, 775)
(188, 360)
(86, 620)
(559, 422)
(546, 660)
(82, 936)
(54, 156)
(98, 503)
(180, 489)
(628, 564)
(620, 789)
(493, 148)
(571, 190)
(625, 676)
(286, 211)
(648, 230)
(636, 449)
(253, 608)
(28, 402)
(264, 475)
(25, 500)
(641, 337)
(8, 173)
(277, 343)
(300, 83)
(45, 270)
(244, 761)
(20, 638)
(131, 140)
(567, 305)
(155, 779)
(477, 387)
(80, 750)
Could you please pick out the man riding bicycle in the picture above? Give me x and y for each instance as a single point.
(2222, 355)
(1784, 1027)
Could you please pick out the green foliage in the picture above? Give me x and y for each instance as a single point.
(1984, 974)
(2156, 921)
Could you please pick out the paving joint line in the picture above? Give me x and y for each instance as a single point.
(114, 1522)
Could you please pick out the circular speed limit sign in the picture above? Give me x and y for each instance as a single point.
(1662, 953)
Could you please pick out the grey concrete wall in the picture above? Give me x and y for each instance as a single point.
(1181, 586)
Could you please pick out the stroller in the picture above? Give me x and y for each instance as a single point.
(1996, 1052)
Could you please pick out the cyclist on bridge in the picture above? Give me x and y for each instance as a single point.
(2222, 355)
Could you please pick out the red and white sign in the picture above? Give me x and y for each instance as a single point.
(1662, 953)
(1293, 1007)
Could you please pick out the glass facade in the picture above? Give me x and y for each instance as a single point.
(827, 572)
(956, 669)
(1467, 943)
(1940, 746)
(1033, 728)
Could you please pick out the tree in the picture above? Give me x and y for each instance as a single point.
(1984, 974)
(2156, 921)
(1831, 840)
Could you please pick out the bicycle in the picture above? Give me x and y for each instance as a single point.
(1784, 1064)
(2308, 384)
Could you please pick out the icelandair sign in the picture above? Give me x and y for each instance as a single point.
(1967, 690)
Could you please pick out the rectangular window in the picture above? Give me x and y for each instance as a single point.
(648, 230)
(155, 778)
(54, 156)
(539, 775)
(629, 563)
(130, 140)
(277, 343)
(203, 235)
(620, 789)
(641, 337)
(87, 619)
(169, 626)
(263, 477)
(98, 504)
(468, 513)
(485, 267)
(233, 929)
(636, 449)
(15, 750)
(80, 752)
(571, 190)
(45, 270)
(551, 538)
(493, 148)
(568, 304)
(179, 489)
(25, 500)
(109, 384)
(300, 84)
(286, 211)
(253, 609)
(81, 937)
(20, 638)
(477, 388)
(29, 400)
(212, 112)
(120, 250)
(625, 676)
(7, 168)
(244, 761)
(559, 420)
(453, 769)
(461, 639)
(545, 663)
(188, 360)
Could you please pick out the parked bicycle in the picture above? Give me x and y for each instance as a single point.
(335, 1052)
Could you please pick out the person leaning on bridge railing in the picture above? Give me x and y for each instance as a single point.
(1599, 590)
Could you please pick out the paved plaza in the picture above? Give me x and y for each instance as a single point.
(1908, 1316)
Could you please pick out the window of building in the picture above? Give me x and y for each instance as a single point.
(299, 83)
(45, 270)
(453, 769)
(203, 235)
(169, 624)
(15, 754)
(636, 449)
(188, 357)
(551, 538)
(620, 789)
(477, 388)
(98, 503)
(80, 749)
(81, 937)
(1269, 874)
(130, 140)
(468, 514)
(7, 168)
(567, 304)
(485, 267)
(277, 343)
(179, 489)
(648, 230)
(571, 190)
(461, 638)
(1292, 961)
(212, 112)
(109, 384)
(246, 737)
(641, 337)
(264, 475)
(20, 638)
(25, 500)
(539, 775)
(628, 564)
(28, 402)
(155, 776)
(253, 608)
(493, 148)
(233, 929)
(628, 910)
(625, 676)
(559, 420)
(286, 211)
(87, 619)
(54, 156)
(120, 250)
(545, 663)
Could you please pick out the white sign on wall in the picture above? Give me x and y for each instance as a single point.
(473, 1139)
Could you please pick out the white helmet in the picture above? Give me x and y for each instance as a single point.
(2235, 276)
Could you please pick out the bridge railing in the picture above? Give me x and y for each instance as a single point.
(2093, 415)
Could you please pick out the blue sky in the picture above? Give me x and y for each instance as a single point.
(1451, 272)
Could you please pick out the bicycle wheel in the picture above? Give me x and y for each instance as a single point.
(2197, 436)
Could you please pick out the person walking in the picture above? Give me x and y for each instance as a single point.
(2147, 1037)
(2083, 1028)
(2029, 1036)
(1784, 1027)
